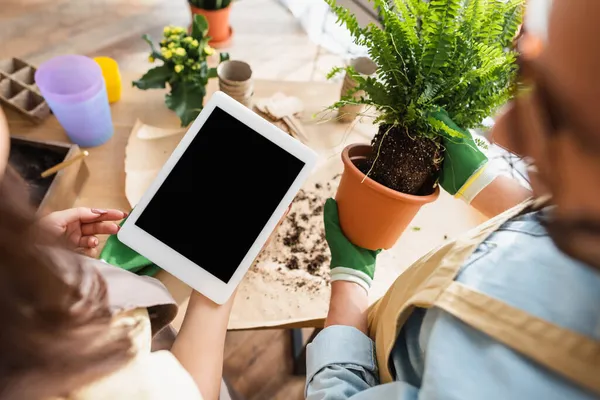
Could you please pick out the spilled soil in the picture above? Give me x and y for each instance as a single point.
(299, 245)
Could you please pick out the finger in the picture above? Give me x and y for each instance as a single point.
(90, 252)
(88, 242)
(105, 215)
(330, 213)
(85, 214)
(99, 228)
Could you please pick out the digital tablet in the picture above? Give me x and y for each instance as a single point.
(218, 197)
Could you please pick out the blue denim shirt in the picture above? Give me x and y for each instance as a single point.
(436, 356)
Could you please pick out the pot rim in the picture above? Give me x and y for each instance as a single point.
(355, 173)
(203, 11)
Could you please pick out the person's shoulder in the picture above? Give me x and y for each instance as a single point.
(153, 376)
(520, 265)
(487, 368)
(148, 376)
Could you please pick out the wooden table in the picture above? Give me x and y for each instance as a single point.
(105, 188)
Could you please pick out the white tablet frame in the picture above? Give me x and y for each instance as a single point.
(177, 264)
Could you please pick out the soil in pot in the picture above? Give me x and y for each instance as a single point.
(403, 162)
(30, 160)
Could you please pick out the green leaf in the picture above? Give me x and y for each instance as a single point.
(513, 16)
(156, 78)
(155, 53)
(492, 23)
(203, 72)
(335, 71)
(223, 57)
(212, 73)
(199, 27)
(187, 101)
(440, 27)
(347, 18)
(473, 17)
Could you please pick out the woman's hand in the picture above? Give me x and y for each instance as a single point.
(78, 227)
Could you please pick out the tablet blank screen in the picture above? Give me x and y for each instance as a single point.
(219, 196)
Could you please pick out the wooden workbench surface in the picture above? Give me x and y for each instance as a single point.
(106, 189)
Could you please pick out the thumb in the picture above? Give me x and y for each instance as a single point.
(330, 214)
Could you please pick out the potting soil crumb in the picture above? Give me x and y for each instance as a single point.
(298, 256)
(293, 263)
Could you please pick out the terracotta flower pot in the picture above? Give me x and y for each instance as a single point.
(218, 25)
(371, 215)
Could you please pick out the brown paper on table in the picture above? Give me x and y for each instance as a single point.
(269, 294)
(148, 148)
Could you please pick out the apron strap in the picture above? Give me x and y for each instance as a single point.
(563, 351)
(421, 284)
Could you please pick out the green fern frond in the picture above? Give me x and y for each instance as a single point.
(383, 54)
(335, 71)
(473, 17)
(430, 91)
(401, 38)
(489, 54)
(513, 17)
(439, 28)
(435, 54)
(347, 18)
(492, 23)
(442, 128)
(417, 7)
(406, 22)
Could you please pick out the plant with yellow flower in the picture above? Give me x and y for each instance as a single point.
(184, 68)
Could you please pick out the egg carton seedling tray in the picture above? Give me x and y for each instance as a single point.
(19, 91)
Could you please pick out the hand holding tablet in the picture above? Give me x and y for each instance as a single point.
(218, 197)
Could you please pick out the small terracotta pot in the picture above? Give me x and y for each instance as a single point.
(218, 25)
(373, 216)
(365, 67)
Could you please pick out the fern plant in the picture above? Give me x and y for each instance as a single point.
(435, 56)
(210, 4)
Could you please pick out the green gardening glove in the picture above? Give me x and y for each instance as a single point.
(348, 262)
(464, 164)
(119, 255)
